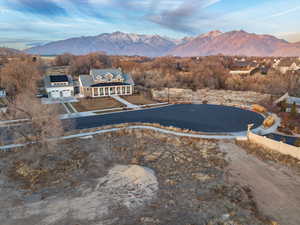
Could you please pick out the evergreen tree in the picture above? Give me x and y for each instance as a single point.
(283, 106)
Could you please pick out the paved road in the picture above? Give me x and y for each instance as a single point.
(286, 139)
(205, 118)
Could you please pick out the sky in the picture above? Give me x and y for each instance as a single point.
(27, 23)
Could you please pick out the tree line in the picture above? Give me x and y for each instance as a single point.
(193, 72)
(21, 78)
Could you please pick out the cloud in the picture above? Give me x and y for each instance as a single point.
(40, 7)
(176, 15)
(182, 17)
(285, 12)
(21, 43)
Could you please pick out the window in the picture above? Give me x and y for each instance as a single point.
(118, 90)
(112, 90)
(101, 92)
(128, 90)
(96, 92)
(106, 91)
(123, 90)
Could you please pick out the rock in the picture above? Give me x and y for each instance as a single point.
(201, 176)
(220, 97)
(152, 157)
(149, 220)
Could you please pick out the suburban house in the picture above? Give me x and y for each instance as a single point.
(105, 82)
(2, 93)
(3, 102)
(243, 67)
(59, 86)
(287, 64)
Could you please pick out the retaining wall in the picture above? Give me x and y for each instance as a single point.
(281, 147)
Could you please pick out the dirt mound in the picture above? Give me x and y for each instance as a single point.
(124, 186)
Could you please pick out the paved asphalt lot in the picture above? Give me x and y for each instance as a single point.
(205, 118)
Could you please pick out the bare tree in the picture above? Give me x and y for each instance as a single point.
(19, 77)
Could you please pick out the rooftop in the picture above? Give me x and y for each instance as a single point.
(105, 77)
(58, 79)
(288, 62)
(238, 65)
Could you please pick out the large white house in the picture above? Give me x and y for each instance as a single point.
(59, 86)
(105, 82)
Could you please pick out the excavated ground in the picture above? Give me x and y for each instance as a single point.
(194, 185)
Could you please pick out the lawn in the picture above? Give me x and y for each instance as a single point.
(96, 104)
(139, 99)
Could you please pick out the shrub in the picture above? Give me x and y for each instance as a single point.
(259, 108)
(294, 111)
(297, 142)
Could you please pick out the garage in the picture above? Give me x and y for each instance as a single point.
(66, 93)
(59, 86)
(55, 94)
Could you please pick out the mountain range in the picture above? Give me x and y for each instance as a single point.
(212, 43)
(9, 52)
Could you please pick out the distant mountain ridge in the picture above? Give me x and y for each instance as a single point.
(211, 43)
(9, 52)
(116, 43)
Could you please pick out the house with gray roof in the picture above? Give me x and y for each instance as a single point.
(287, 64)
(243, 67)
(105, 82)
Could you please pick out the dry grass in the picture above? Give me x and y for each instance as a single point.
(270, 155)
(139, 99)
(59, 108)
(154, 125)
(96, 104)
(57, 70)
(3, 101)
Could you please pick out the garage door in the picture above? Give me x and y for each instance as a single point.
(66, 93)
(55, 94)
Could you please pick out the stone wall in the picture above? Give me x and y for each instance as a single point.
(218, 97)
(275, 145)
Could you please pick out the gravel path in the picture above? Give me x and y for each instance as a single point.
(276, 189)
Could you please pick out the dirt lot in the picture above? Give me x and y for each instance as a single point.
(219, 97)
(139, 99)
(275, 187)
(96, 104)
(192, 177)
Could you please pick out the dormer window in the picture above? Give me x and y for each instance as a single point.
(109, 77)
(119, 78)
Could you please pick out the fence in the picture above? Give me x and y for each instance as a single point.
(275, 145)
